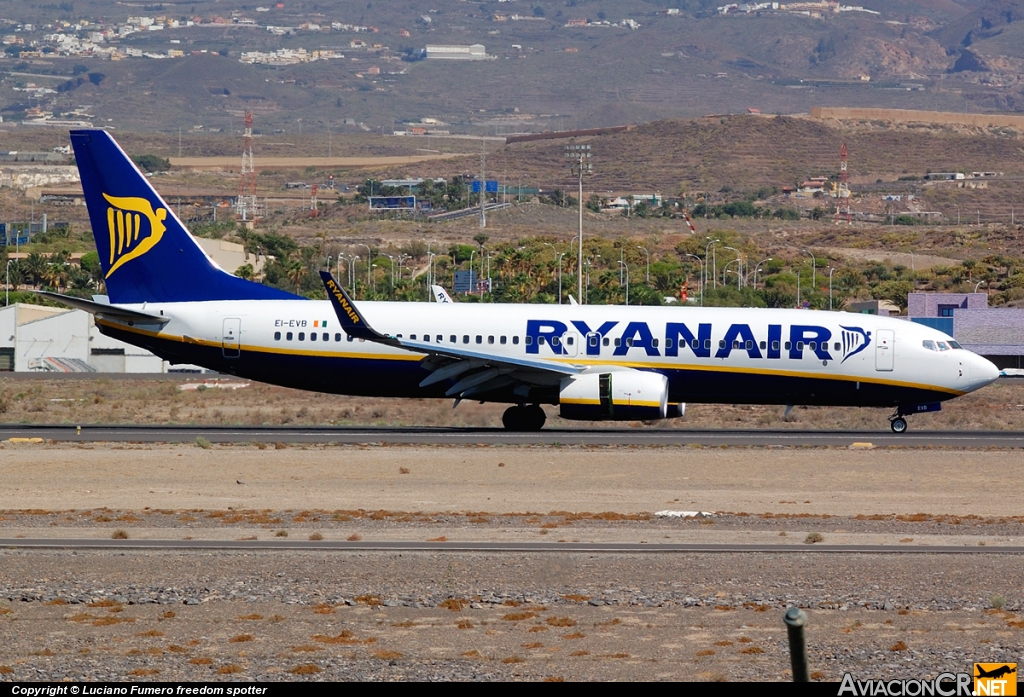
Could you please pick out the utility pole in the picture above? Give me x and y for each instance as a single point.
(579, 162)
(483, 191)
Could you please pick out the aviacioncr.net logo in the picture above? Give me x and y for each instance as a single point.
(134, 228)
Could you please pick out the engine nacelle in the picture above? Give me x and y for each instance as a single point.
(620, 395)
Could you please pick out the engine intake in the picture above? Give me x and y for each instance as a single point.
(622, 395)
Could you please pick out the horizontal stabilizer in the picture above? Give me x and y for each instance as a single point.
(103, 311)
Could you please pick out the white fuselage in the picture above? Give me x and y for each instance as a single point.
(723, 354)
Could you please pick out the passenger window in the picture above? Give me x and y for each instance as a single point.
(764, 345)
(312, 336)
(799, 346)
(836, 346)
(515, 340)
(813, 345)
(465, 338)
(668, 343)
(277, 336)
(629, 342)
(349, 337)
(750, 344)
(490, 340)
(707, 344)
(529, 340)
(337, 337)
(605, 341)
(454, 339)
(569, 340)
(654, 343)
(695, 344)
(592, 339)
(788, 345)
(775, 346)
(399, 336)
(502, 341)
(412, 337)
(555, 341)
(618, 341)
(721, 343)
(735, 344)
(302, 336)
(426, 338)
(288, 336)
(439, 338)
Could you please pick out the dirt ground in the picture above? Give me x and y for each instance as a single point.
(352, 615)
(208, 400)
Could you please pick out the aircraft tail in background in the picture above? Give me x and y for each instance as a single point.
(147, 255)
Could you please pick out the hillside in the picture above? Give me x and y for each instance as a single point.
(635, 65)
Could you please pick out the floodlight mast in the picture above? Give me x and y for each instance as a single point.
(579, 162)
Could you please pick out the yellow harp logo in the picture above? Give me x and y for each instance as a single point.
(128, 236)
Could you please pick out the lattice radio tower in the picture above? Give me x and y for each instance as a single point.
(246, 203)
(843, 190)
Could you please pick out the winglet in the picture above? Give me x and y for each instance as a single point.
(351, 320)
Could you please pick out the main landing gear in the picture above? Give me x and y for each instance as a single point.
(524, 418)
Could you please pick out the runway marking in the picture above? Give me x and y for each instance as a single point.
(494, 547)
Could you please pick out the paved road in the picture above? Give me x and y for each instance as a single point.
(474, 436)
(560, 547)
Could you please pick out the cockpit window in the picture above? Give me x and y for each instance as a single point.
(943, 346)
(955, 345)
(929, 344)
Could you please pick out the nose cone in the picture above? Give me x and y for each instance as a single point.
(983, 371)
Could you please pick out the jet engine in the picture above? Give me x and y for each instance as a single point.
(618, 395)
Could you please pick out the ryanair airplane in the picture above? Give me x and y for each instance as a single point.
(594, 362)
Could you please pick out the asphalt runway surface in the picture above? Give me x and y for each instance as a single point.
(492, 436)
(500, 547)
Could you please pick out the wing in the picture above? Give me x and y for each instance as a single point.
(474, 373)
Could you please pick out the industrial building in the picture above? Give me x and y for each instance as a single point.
(53, 339)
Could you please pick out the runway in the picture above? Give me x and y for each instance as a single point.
(343, 435)
(493, 547)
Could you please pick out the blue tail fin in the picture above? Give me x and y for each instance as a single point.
(146, 253)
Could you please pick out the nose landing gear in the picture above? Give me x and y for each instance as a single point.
(898, 424)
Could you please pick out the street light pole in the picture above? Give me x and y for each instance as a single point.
(579, 156)
(830, 271)
(560, 277)
(756, 267)
(626, 267)
(648, 263)
(814, 279)
(369, 262)
(701, 263)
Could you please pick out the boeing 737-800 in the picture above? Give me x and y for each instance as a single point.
(594, 362)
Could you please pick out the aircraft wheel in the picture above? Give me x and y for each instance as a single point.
(898, 425)
(535, 417)
(513, 419)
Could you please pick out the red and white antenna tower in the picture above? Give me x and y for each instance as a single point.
(246, 203)
(314, 211)
(843, 190)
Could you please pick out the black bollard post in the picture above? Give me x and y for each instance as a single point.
(795, 620)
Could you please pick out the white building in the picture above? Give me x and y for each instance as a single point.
(38, 338)
(476, 52)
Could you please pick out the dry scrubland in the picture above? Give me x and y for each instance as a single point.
(999, 406)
